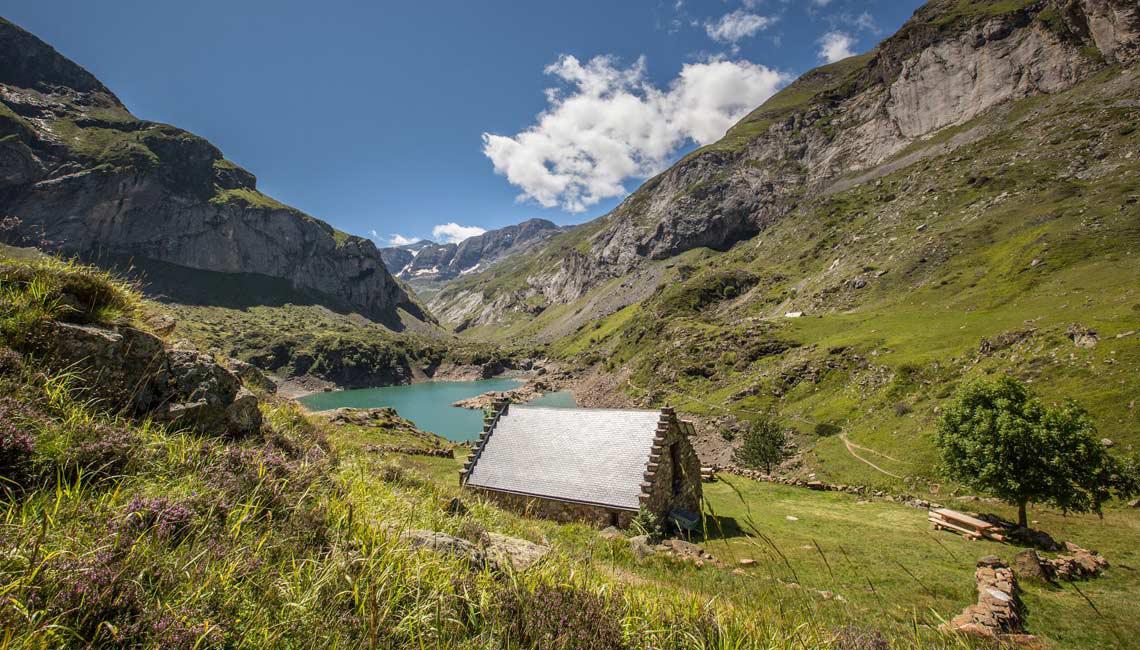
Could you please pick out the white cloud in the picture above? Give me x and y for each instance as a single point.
(394, 239)
(607, 124)
(736, 26)
(835, 46)
(453, 233)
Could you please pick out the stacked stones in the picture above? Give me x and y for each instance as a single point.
(998, 610)
(655, 455)
(489, 422)
(433, 452)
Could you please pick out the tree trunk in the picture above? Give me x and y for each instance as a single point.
(1022, 519)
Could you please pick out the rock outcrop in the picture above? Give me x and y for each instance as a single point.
(130, 369)
(837, 126)
(84, 176)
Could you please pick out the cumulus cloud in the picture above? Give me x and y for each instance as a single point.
(835, 46)
(606, 124)
(394, 239)
(736, 26)
(453, 233)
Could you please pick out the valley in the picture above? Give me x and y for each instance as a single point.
(226, 423)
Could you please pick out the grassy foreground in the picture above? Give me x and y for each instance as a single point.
(117, 532)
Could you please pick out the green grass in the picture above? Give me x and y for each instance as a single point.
(247, 197)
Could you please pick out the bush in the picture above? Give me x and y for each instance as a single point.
(826, 429)
(561, 617)
(166, 519)
(103, 451)
(648, 523)
(765, 445)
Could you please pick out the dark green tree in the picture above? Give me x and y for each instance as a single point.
(998, 437)
(764, 444)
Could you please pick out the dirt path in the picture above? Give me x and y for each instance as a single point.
(851, 447)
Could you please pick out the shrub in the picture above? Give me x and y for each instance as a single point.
(561, 617)
(102, 451)
(10, 362)
(166, 519)
(765, 445)
(825, 429)
(98, 598)
(648, 523)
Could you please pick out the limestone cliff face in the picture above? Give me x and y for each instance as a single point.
(835, 126)
(84, 176)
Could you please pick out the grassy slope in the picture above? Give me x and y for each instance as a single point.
(119, 532)
(947, 249)
(891, 571)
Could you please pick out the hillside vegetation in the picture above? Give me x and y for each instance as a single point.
(960, 257)
(120, 532)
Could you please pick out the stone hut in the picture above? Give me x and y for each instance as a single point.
(599, 466)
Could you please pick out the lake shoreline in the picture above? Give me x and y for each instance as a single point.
(296, 388)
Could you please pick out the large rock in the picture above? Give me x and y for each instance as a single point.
(1027, 566)
(123, 367)
(450, 546)
(127, 368)
(516, 553)
(251, 376)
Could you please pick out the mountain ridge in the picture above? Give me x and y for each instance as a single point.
(428, 260)
(83, 176)
(951, 62)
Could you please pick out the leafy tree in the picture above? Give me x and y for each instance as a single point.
(765, 444)
(998, 437)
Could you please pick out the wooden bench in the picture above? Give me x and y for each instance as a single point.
(963, 524)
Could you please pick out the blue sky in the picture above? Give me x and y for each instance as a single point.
(390, 119)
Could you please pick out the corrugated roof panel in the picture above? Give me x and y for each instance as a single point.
(591, 455)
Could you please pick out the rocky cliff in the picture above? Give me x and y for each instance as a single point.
(427, 260)
(835, 127)
(81, 175)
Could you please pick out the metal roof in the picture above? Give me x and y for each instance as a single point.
(586, 455)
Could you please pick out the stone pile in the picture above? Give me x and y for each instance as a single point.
(521, 395)
(1078, 564)
(433, 452)
(861, 490)
(998, 612)
(676, 548)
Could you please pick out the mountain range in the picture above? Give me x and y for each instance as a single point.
(428, 260)
(79, 174)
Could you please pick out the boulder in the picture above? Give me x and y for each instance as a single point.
(251, 376)
(519, 554)
(121, 366)
(204, 396)
(641, 547)
(448, 545)
(127, 368)
(610, 533)
(1027, 566)
(1082, 337)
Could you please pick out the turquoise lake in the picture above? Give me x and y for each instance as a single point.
(429, 404)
